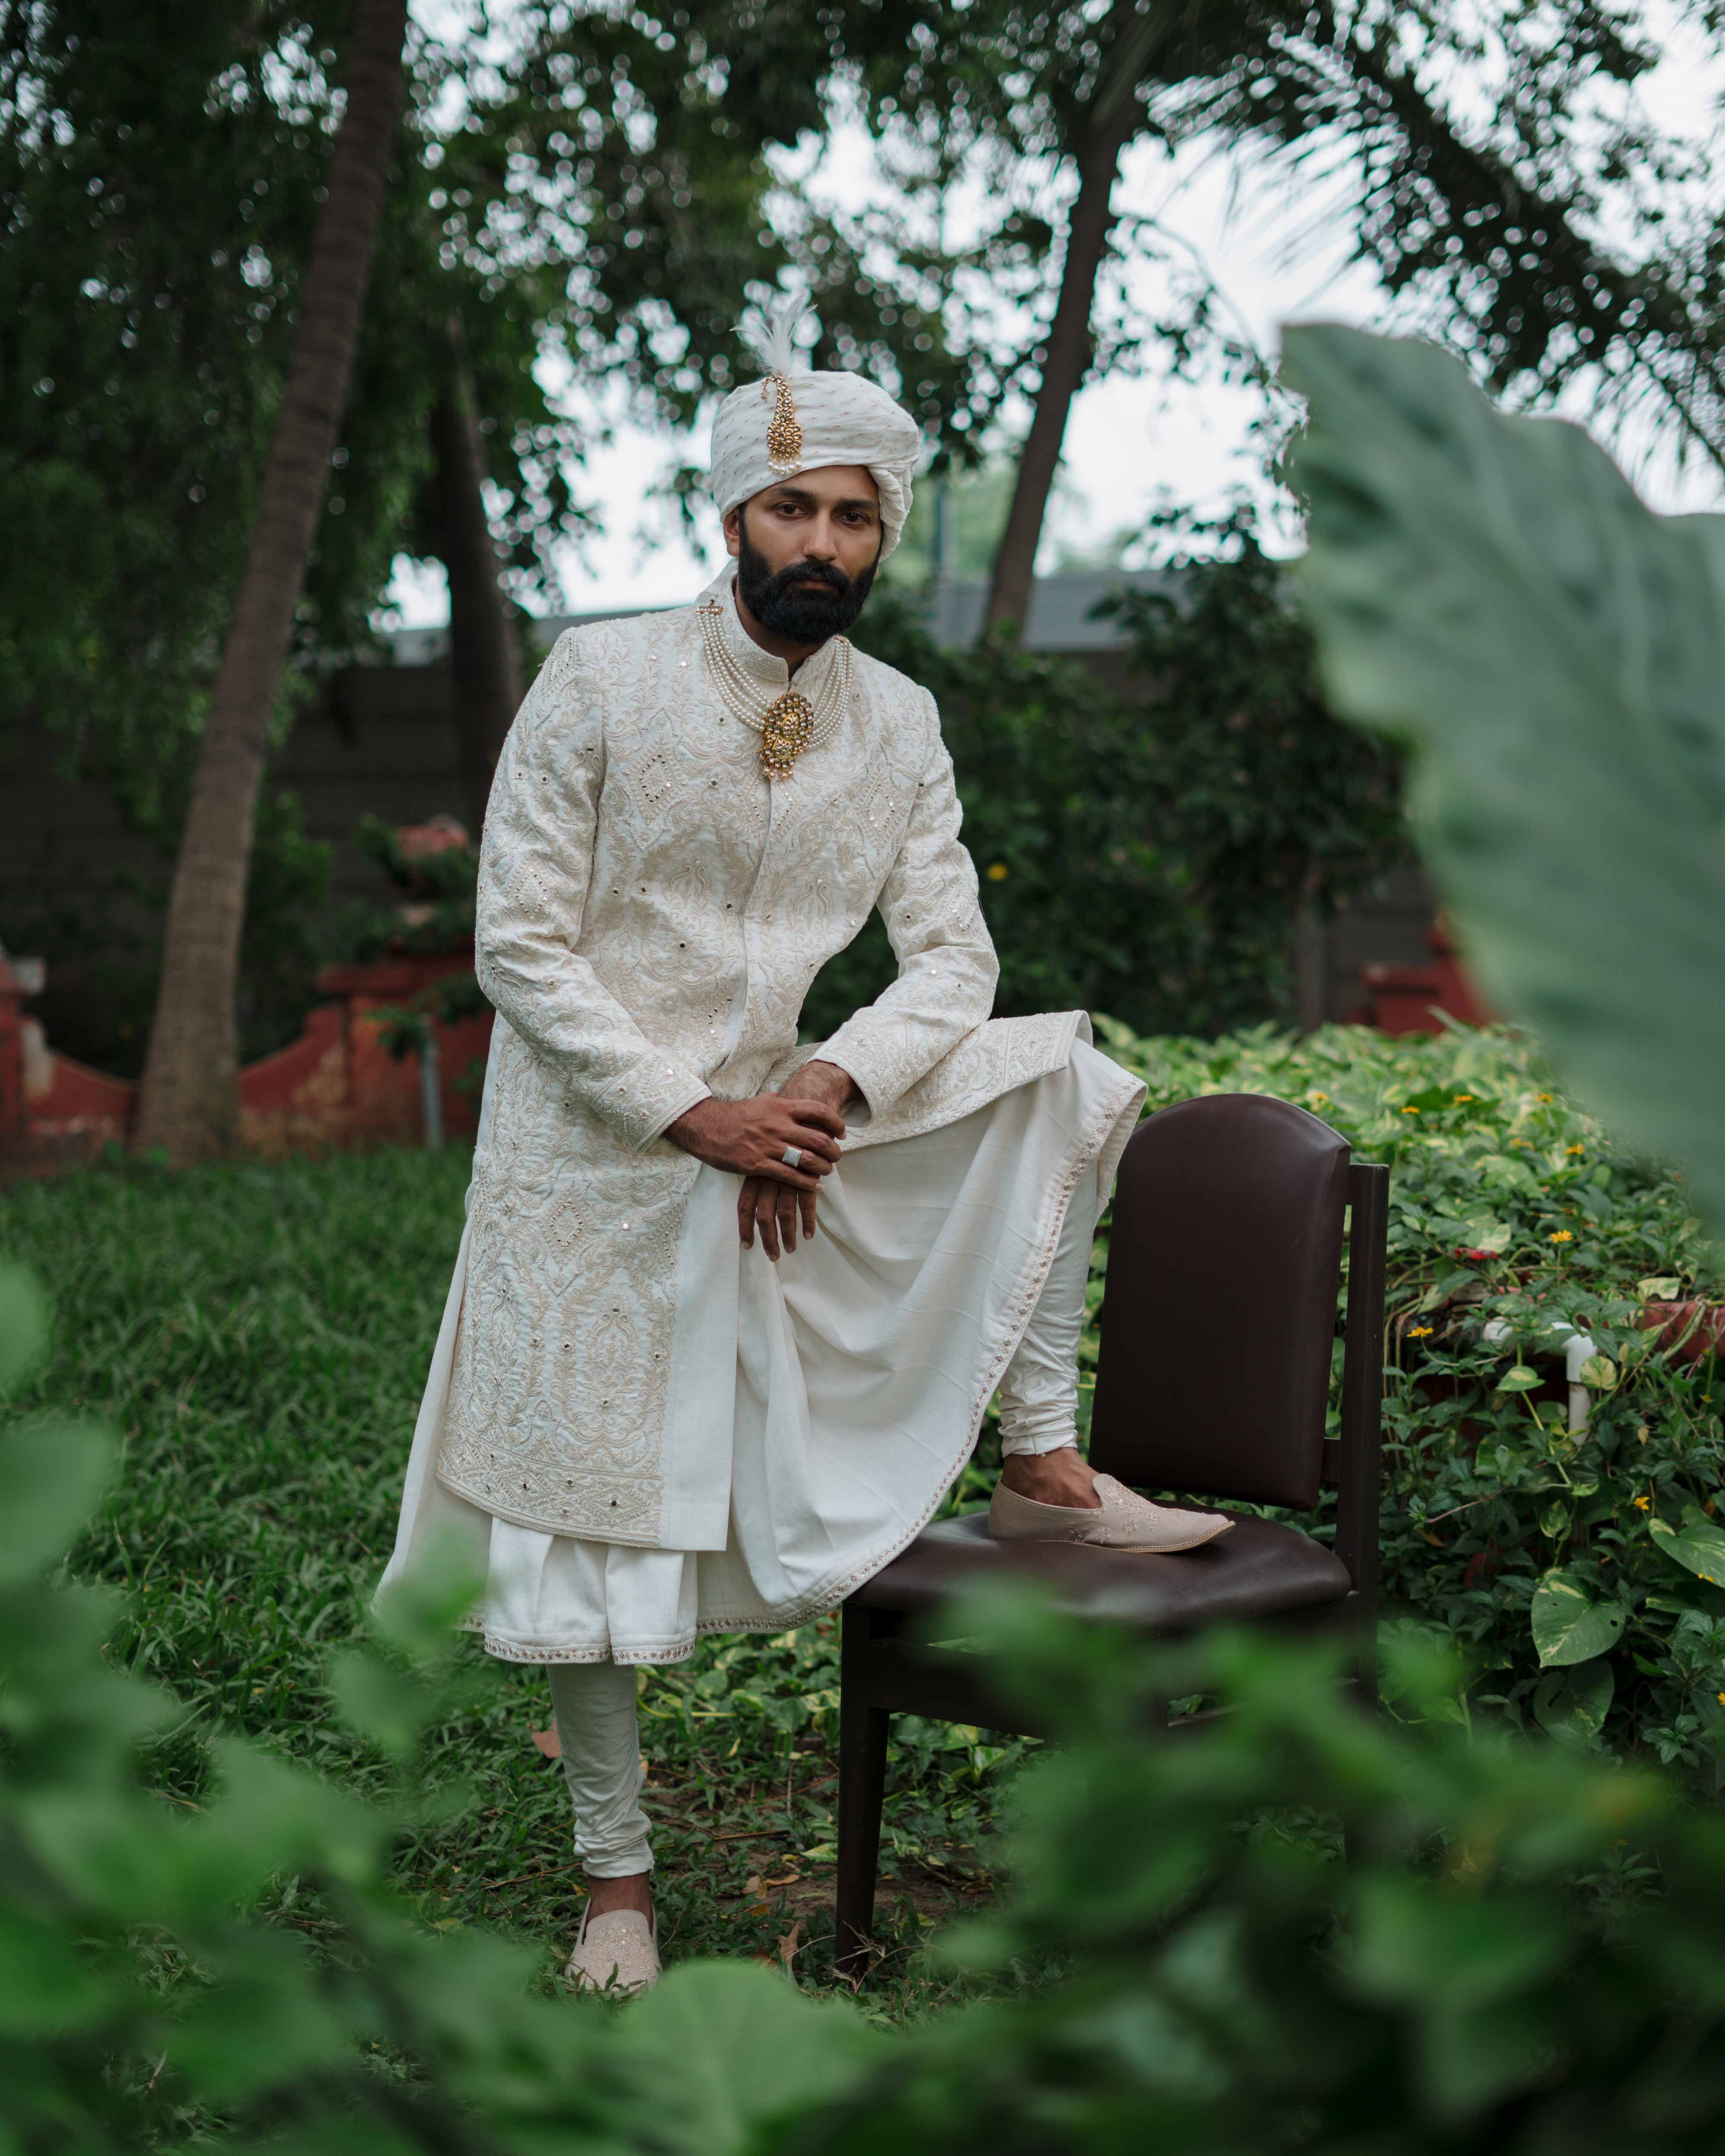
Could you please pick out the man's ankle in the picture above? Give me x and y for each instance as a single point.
(1059, 1477)
(634, 1892)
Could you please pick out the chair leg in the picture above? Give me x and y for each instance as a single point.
(863, 1732)
(1362, 1676)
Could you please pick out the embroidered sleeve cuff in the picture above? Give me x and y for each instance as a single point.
(691, 1091)
(875, 1071)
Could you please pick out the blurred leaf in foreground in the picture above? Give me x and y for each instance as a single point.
(1490, 590)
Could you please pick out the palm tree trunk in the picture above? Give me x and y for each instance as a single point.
(190, 1099)
(1068, 349)
(484, 664)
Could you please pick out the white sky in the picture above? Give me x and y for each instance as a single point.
(1131, 440)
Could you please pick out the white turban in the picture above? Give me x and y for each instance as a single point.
(823, 420)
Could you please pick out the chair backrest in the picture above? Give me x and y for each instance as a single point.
(1225, 1256)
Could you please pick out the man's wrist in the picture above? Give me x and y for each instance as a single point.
(681, 1129)
(836, 1082)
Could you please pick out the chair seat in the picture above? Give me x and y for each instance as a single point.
(1261, 1569)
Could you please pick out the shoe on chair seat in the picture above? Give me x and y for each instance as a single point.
(617, 1953)
(1123, 1521)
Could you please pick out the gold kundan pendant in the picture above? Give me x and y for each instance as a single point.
(784, 733)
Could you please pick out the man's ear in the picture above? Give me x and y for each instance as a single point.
(733, 532)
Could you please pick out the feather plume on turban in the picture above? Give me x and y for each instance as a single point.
(797, 421)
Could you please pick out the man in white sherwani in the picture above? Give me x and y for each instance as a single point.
(728, 1311)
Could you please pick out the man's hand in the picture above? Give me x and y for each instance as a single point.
(772, 1208)
(750, 1138)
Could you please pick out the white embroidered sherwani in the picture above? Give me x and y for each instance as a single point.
(651, 913)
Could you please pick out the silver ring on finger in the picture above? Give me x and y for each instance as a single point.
(792, 1158)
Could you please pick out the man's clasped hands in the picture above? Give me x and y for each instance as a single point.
(750, 1137)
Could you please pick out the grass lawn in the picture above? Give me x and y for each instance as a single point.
(258, 1335)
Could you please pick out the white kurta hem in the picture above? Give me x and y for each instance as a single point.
(842, 1390)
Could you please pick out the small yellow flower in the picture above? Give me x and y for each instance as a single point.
(1542, 1096)
(1419, 1332)
(1643, 1504)
(996, 872)
(1318, 1099)
(1411, 1111)
(1720, 1696)
(1461, 1097)
(1563, 1235)
(1575, 1151)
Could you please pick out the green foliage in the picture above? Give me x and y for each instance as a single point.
(1185, 1944)
(1267, 805)
(1478, 193)
(1533, 1550)
(154, 1990)
(102, 938)
(1147, 851)
(437, 916)
(156, 164)
(1481, 1973)
(1491, 590)
(261, 1334)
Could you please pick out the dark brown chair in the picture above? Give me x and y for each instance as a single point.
(1217, 1327)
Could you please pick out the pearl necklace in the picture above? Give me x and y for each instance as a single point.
(790, 725)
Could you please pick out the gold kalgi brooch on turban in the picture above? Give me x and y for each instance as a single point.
(784, 431)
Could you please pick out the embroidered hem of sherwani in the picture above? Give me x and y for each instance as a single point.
(651, 916)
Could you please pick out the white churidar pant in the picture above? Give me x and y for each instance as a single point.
(592, 1705)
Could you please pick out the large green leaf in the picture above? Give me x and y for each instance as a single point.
(53, 1474)
(1491, 590)
(24, 1326)
(724, 2047)
(1699, 1544)
(1568, 1625)
(47, 1986)
(1573, 1703)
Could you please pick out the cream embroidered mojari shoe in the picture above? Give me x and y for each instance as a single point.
(1123, 1521)
(618, 1953)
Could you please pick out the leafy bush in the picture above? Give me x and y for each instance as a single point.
(1186, 1953)
(103, 941)
(1262, 803)
(1575, 1573)
(436, 913)
(1146, 850)
(1489, 591)
(261, 1333)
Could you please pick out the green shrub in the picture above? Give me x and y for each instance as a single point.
(436, 912)
(99, 929)
(1145, 847)
(1571, 1571)
(1187, 1960)
(260, 1334)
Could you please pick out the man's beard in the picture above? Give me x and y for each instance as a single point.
(799, 616)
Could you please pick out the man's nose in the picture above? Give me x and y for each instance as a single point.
(822, 545)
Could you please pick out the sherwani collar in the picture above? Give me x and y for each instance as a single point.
(770, 673)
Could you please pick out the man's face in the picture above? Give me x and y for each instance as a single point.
(807, 550)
